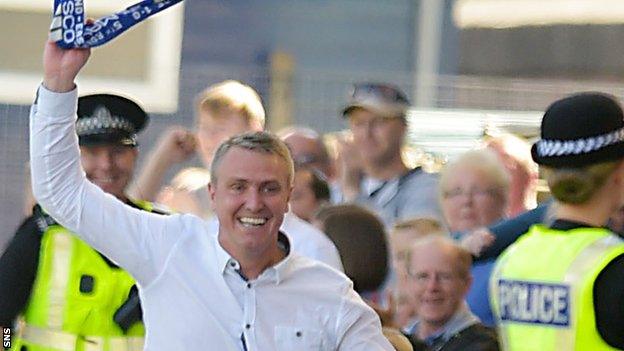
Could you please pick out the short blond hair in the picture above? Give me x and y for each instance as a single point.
(231, 96)
(421, 225)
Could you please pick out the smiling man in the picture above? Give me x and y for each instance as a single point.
(439, 271)
(239, 288)
(251, 184)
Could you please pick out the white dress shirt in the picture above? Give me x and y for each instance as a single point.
(192, 296)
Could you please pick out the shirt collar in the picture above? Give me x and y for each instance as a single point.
(461, 320)
(278, 271)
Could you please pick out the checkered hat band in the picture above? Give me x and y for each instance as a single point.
(95, 124)
(549, 148)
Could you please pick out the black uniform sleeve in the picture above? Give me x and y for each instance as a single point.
(608, 303)
(18, 267)
(506, 232)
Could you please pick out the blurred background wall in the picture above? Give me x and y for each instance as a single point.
(302, 56)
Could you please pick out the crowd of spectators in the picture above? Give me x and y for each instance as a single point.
(418, 247)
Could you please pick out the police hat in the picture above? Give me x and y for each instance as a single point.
(581, 130)
(109, 119)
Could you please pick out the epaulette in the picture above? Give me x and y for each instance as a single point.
(42, 219)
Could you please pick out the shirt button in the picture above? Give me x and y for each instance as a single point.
(233, 264)
(298, 334)
(247, 326)
(248, 285)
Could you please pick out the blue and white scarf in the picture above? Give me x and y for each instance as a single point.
(69, 30)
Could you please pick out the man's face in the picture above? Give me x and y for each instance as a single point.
(109, 166)
(303, 202)
(213, 129)
(306, 151)
(379, 138)
(438, 287)
(471, 199)
(250, 197)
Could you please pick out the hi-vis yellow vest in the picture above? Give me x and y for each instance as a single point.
(541, 289)
(62, 316)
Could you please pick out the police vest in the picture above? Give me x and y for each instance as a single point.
(541, 289)
(74, 298)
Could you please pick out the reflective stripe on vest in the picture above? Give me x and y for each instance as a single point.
(69, 342)
(542, 289)
(61, 248)
(60, 312)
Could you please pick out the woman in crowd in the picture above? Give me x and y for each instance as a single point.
(473, 194)
(572, 270)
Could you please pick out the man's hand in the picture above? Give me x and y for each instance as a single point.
(477, 241)
(176, 145)
(61, 66)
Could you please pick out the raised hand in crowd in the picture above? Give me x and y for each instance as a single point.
(176, 145)
(477, 241)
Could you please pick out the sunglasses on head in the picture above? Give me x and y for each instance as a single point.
(379, 91)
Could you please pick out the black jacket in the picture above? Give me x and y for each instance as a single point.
(476, 337)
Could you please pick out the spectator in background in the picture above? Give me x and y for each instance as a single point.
(373, 172)
(440, 273)
(515, 154)
(360, 238)
(310, 192)
(309, 150)
(402, 237)
(473, 191)
(473, 194)
(223, 110)
(46, 266)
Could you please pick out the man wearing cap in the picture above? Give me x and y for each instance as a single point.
(67, 295)
(373, 171)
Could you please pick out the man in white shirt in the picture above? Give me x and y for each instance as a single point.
(223, 110)
(238, 289)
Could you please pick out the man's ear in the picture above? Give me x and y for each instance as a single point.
(211, 191)
(290, 190)
(619, 174)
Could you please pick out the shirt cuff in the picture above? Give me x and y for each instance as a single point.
(51, 104)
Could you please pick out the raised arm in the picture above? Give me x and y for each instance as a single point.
(136, 240)
(176, 145)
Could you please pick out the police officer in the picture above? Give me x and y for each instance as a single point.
(561, 286)
(63, 294)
